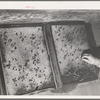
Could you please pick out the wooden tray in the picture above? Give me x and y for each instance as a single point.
(25, 44)
(70, 38)
(25, 62)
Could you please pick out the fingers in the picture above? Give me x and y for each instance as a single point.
(86, 57)
(90, 59)
(86, 54)
(86, 60)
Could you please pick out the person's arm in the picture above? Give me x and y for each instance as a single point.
(89, 58)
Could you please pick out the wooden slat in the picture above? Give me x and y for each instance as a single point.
(53, 57)
(2, 82)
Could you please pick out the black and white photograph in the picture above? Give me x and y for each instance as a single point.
(50, 52)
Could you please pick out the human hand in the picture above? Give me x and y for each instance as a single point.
(90, 59)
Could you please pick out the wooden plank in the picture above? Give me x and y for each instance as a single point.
(2, 82)
(67, 22)
(20, 25)
(53, 57)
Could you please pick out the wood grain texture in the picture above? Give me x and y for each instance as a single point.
(53, 57)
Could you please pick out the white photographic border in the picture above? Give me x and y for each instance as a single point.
(47, 5)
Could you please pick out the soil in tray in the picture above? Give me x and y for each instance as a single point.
(70, 41)
(25, 61)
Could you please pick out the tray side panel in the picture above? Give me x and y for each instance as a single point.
(53, 57)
